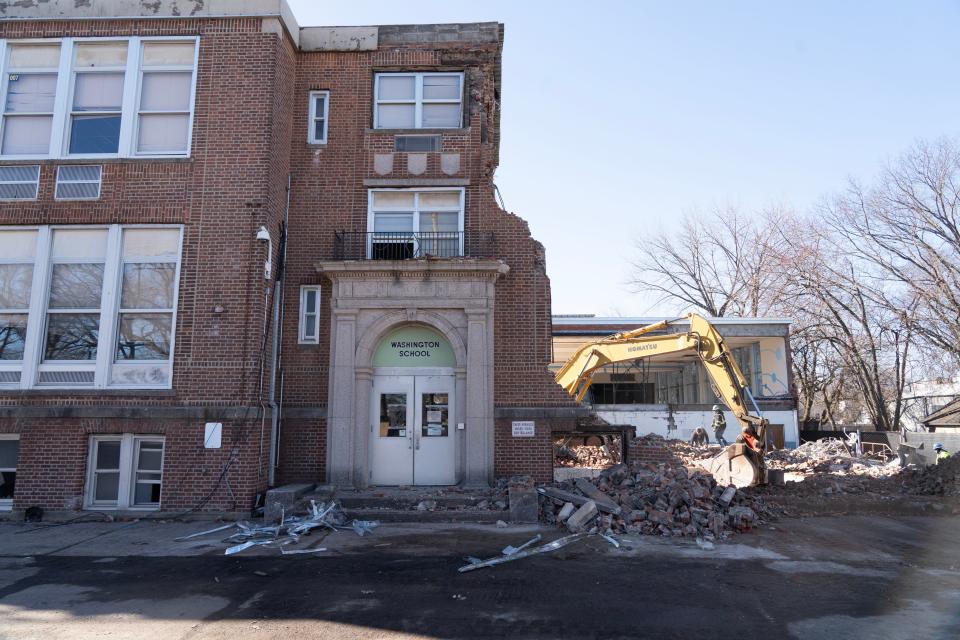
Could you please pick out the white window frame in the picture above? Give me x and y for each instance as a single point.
(63, 102)
(58, 181)
(127, 484)
(35, 183)
(325, 116)
(33, 364)
(418, 100)
(6, 504)
(305, 338)
(415, 211)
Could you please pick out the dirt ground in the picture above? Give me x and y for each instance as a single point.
(841, 577)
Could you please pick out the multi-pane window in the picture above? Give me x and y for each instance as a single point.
(148, 279)
(407, 223)
(418, 100)
(125, 471)
(75, 294)
(96, 108)
(309, 314)
(84, 97)
(319, 110)
(9, 450)
(17, 255)
(88, 306)
(166, 85)
(31, 87)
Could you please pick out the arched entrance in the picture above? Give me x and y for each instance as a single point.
(412, 440)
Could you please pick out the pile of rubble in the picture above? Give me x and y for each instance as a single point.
(585, 455)
(830, 455)
(665, 500)
(942, 479)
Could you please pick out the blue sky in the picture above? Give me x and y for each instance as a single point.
(619, 117)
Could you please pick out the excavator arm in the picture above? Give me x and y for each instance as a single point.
(727, 380)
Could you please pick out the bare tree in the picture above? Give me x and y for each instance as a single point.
(908, 226)
(718, 264)
(849, 306)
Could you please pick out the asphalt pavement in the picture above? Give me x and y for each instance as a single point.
(846, 577)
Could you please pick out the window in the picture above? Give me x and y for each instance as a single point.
(310, 314)
(17, 255)
(88, 307)
(416, 144)
(31, 87)
(418, 100)
(97, 97)
(78, 182)
(19, 182)
(405, 223)
(125, 471)
(319, 109)
(9, 450)
(97, 104)
(166, 87)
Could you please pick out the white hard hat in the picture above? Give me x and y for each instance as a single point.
(716, 407)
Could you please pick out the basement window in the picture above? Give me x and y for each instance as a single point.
(124, 472)
(9, 451)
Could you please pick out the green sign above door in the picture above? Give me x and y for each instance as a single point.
(414, 346)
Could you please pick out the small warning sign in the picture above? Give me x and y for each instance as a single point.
(523, 429)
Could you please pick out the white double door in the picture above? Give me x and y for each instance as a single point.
(412, 430)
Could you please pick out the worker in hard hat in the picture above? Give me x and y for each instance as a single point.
(719, 425)
(942, 454)
(700, 437)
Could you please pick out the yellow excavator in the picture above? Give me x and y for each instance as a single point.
(741, 463)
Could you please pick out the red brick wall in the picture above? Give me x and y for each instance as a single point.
(52, 464)
(234, 181)
(249, 133)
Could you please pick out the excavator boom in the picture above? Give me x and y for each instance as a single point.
(727, 380)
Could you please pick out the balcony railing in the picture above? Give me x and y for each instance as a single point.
(406, 245)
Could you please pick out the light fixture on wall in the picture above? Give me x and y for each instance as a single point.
(264, 236)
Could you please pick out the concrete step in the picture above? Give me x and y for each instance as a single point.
(348, 501)
(408, 515)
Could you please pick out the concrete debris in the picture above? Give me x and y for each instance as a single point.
(582, 516)
(566, 511)
(530, 551)
(501, 524)
(667, 499)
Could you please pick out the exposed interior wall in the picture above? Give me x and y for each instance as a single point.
(680, 425)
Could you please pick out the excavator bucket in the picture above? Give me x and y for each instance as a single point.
(735, 465)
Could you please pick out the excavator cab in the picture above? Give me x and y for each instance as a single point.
(740, 464)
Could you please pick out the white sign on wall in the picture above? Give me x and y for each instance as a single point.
(212, 432)
(523, 429)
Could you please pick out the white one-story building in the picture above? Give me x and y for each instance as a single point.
(671, 395)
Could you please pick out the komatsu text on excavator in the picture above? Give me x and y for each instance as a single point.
(741, 463)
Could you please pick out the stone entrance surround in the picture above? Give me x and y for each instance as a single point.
(371, 298)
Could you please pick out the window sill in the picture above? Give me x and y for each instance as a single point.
(410, 132)
(86, 391)
(316, 144)
(92, 160)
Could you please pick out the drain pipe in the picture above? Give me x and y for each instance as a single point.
(276, 338)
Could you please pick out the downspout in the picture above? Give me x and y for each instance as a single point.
(276, 338)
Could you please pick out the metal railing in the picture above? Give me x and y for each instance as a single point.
(409, 245)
